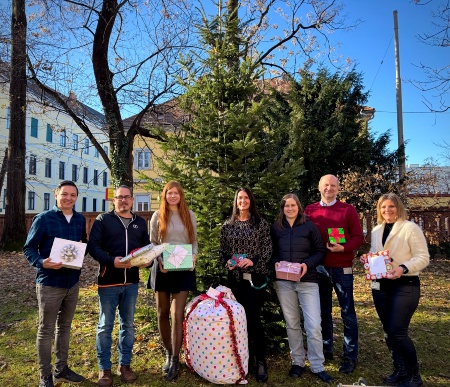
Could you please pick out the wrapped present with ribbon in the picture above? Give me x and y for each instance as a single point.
(144, 255)
(236, 258)
(215, 337)
(289, 271)
(69, 253)
(376, 265)
(178, 258)
(336, 235)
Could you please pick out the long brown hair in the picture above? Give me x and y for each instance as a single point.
(301, 216)
(255, 218)
(183, 210)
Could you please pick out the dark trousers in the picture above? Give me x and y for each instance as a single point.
(343, 286)
(252, 300)
(396, 302)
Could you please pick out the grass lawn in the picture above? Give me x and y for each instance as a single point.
(430, 331)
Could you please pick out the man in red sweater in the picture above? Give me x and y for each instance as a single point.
(337, 272)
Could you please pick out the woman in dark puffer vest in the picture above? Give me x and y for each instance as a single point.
(297, 239)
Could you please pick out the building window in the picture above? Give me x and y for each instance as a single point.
(32, 165)
(74, 172)
(48, 168)
(142, 202)
(84, 205)
(85, 175)
(142, 159)
(95, 177)
(94, 205)
(75, 141)
(62, 170)
(62, 139)
(96, 152)
(103, 205)
(34, 127)
(105, 179)
(46, 201)
(8, 118)
(31, 196)
(86, 146)
(49, 134)
(105, 148)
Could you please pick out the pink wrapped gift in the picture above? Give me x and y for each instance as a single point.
(289, 271)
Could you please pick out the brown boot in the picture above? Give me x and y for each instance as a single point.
(105, 378)
(126, 374)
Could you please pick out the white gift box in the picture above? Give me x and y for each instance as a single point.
(70, 253)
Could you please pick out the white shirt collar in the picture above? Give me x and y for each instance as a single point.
(328, 204)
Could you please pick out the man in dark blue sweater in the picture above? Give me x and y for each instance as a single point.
(56, 286)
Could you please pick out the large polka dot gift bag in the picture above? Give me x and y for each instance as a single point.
(215, 337)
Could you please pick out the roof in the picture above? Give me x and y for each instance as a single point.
(42, 97)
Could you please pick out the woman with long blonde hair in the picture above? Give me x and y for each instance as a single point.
(173, 223)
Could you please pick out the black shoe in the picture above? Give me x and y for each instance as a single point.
(412, 381)
(261, 372)
(166, 366)
(296, 371)
(328, 355)
(347, 366)
(67, 375)
(46, 381)
(174, 368)
(395, 378)
(323, 376)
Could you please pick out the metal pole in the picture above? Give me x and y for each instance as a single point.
(398, 88)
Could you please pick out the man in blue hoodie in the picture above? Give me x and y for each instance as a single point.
(57, 287)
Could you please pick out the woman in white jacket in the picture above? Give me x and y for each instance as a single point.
(396, 297)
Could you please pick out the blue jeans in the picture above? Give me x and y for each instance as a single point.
(343, 286)
(396, 302)
(109, 299)
(56, 308)
(290, 294)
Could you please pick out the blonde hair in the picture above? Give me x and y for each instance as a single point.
(401, 210)
(164, 212)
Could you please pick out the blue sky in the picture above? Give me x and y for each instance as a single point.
(371, 46)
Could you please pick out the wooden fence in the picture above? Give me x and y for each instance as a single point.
(90, 218)
(435, 223)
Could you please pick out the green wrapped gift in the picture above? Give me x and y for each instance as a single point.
(336, 235)
(178, 258)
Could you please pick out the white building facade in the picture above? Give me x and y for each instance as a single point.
(57, 149)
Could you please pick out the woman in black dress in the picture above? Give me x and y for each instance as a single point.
(246, 249)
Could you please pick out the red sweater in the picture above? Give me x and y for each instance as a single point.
(338, 215)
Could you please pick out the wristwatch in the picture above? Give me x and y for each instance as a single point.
(405, 269)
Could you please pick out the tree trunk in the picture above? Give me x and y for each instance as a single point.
(121, 143)
(14, 230)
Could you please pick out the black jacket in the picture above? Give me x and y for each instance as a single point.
(300, 243)
(109, 238)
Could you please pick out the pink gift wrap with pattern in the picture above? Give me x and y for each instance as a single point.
(290, 271)
(215, 337)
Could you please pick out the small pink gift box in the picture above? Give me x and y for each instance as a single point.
(289, 271)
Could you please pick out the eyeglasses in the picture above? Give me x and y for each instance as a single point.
(126, 197)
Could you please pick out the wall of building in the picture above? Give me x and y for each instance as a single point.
(57, 149)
